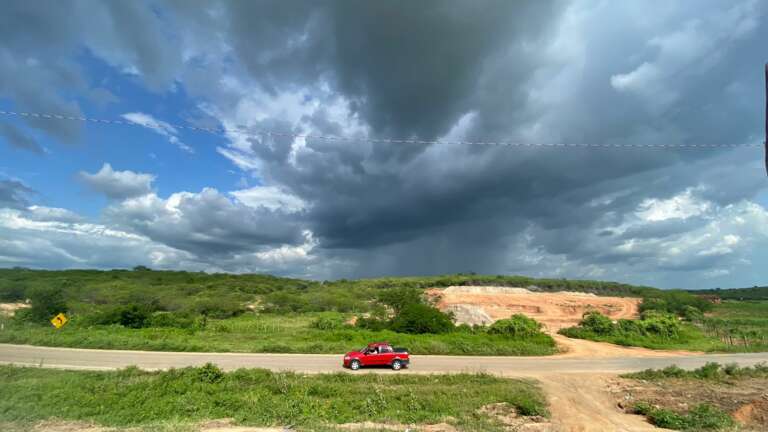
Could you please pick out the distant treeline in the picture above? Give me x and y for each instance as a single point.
(224, 295)
(754, 293)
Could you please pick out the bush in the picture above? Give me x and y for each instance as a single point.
(676, 302)
(131, 316)
(518, 326)
(171, 319)
(47, 302)
(328, 323)
(660, 324)
(420, 318)
(597, 323)
(372, 323)
(701, 417)
(12, 291)
(218, 308)
(209, 374)
(285, 302)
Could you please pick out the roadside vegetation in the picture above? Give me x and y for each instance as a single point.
(179, 311)
(682, 320)
(188, 311)
(713, 397)
(135, 398)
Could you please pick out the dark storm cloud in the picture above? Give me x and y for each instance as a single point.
(17, 138)
(13, 194)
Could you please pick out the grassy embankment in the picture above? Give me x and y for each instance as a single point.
(252, 332)
(213, 312)
(179, 399)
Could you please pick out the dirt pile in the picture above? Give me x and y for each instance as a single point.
(486, 304)
(754, 414)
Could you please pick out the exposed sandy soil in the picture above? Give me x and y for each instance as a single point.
(9, 309)
(486, 304)
(582, 403)
(745, 399)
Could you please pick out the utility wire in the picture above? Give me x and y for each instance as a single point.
(250, 132)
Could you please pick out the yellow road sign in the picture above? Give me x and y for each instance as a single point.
(59, 320)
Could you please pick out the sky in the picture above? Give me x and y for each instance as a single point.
(149, 189)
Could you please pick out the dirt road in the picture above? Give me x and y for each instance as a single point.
(574, 382)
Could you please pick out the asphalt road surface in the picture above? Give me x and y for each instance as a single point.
(91, 359)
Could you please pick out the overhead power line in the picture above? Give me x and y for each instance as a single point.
(247, 131)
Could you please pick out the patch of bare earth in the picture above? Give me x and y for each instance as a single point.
(481, 305)
(583, 403)
(9, 309)
(745, 399)
(486, 304)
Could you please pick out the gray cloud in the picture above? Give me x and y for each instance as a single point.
(17, 138)
(14, 194)
(118, 184)
(207, 224)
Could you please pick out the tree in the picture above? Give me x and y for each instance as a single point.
(399, 298)
(47, 302)
(420, 318)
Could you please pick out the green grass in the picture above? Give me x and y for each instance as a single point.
(710, 372)
(257, 397)
(689, 338)
(268, 333)
(702, 417)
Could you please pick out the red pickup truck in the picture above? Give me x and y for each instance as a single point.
(377, 354)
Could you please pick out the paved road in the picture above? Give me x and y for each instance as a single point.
(71, 358)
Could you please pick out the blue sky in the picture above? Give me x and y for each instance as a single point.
(89, 195)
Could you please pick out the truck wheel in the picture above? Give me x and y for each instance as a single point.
(354, 365)
(397, 365)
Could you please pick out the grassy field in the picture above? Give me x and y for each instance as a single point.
(253, 332)
(172, 399)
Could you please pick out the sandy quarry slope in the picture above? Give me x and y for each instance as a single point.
(486, 304)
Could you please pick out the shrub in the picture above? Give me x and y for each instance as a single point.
(47, 302)
(219, 308)
(701, 417)
(328, 323)
(660, 324)
(420, 318)
(171, 319)
(518, 326)
(284, 302)
(131, 316)
(209, 373)
(597, 323)
(11, 291)
(372, 323)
